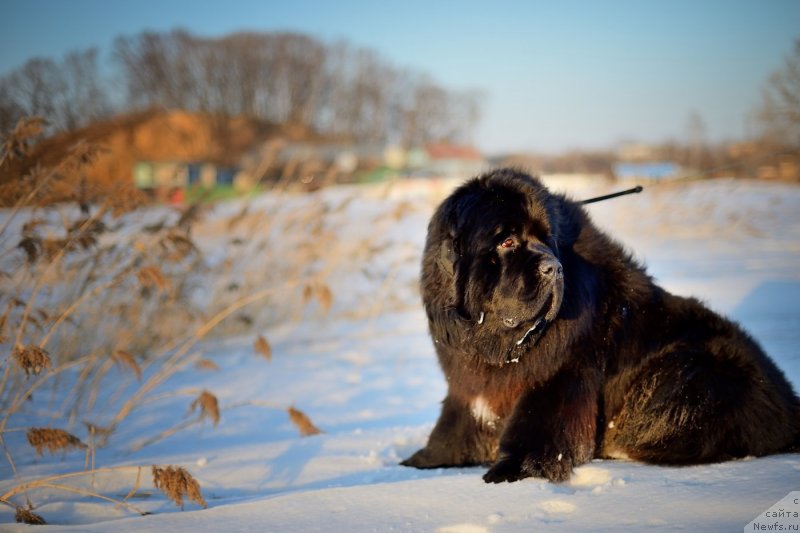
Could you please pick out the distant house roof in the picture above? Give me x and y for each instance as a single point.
(452, 151)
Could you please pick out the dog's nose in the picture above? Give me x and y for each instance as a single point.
(550, 268)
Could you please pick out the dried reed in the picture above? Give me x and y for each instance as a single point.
(209, 406)
(27, 516)
(261, 346)
(207, 364)
(32, 359)
(152, 277)
(105, 276)
(127, 359)
(302, 422)
(175, 482)
(53, 440)
(320, 292)
(18, 142)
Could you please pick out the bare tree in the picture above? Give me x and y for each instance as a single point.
(297, 63)
(279, 77)
(68, 93)
(157, 68)
(34, 87)
(780, 108)
(84, 98)
(10, 110)
(428, 114)
(246, 58)
(360, 93)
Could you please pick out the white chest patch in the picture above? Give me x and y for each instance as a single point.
(482, 412)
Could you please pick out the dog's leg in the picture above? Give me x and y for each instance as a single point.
(552, 429)
(690, 407)
(458, 439)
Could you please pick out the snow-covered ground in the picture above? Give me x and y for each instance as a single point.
(366, 374)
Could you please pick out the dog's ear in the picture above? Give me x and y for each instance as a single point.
(455, 268)
(568, 218)
(447, 257)
(448, 323)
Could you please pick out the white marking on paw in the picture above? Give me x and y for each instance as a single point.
(482, 412)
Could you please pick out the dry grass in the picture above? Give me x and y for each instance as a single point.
(98, 435)
(32, 359)
(152, 277)
(207, 364)
(53, 440)
(262, 347)
(208, 405)
(84, 280)
(126, 359)
(303, 423)
(319, 292)
(27, 516)
(176, 483)
(182, 481)
(17, 145)
(98, 311)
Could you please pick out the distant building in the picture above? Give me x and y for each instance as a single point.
(152, 175)
(451, 160)
(318, 162)
(162, 177)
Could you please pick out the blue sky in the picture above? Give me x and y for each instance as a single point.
(556, 74)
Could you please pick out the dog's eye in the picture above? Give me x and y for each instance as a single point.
(508, 243)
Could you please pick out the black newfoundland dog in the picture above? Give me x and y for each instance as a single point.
(559, 348)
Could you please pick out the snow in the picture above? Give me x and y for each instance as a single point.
(365, 373)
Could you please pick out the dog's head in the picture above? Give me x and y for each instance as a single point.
(492, 276)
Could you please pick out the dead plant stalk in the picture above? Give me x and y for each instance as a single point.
(48, 483)
(174, 363)
(53, 263)
(58, 477)
(26, 200)
(79, 301)
(24, 393)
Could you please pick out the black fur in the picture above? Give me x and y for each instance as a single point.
(559, 348)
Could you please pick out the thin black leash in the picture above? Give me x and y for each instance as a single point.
(634, 190)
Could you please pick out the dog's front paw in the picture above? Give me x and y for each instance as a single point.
(556, 468)
(506, 468)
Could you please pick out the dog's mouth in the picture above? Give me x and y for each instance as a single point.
(528, 337)
(528, 331)
(518, 324)
(503, 334)
(538, 325)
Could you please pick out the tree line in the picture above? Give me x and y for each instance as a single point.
(288, 78)
(335, 88)
(779, 112)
